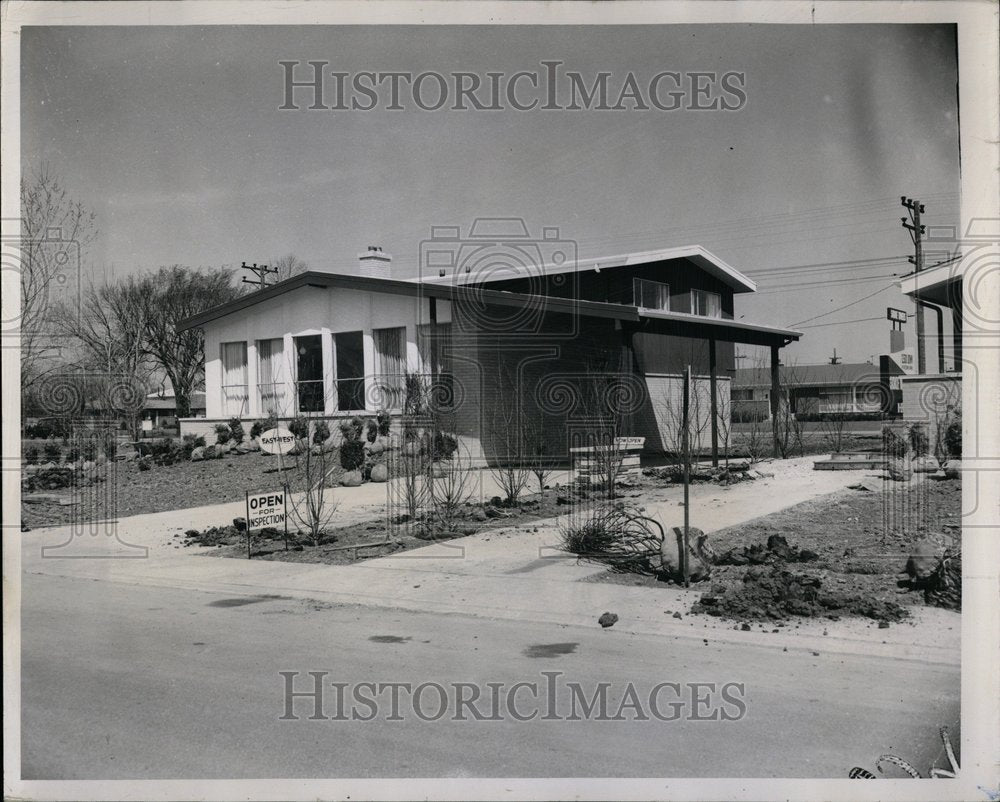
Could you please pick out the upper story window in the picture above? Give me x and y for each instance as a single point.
(651, 294)
(706, 304)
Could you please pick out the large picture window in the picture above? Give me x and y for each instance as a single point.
(706, 304)
(349, 355)
(390, 367)
(309, 373)
(651, 294)
(234, 380)
(272, 381)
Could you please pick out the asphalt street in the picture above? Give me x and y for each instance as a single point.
(126, 681)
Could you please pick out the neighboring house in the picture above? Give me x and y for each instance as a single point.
(525, 348)
(861, 389)
(933, 394)
(160, 410)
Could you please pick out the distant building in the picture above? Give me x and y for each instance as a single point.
(160, 410)
(845, 388)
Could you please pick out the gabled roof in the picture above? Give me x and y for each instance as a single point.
(700, 256)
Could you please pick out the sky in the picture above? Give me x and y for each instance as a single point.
(173, 136)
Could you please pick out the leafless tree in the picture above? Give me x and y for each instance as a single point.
(288, 266)
(724, 422)
(55, 231)
(506, 439)
(163, 300)
(536, 450)
(447, 495)
(310, 474)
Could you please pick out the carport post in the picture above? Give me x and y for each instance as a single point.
(713, 395)
(686, 444)
(775, 390)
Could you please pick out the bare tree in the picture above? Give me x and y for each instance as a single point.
(310, 477)
(506, 438)
(163, 300)
(447, 495)
(288, 266)
(724, 422)
(55, 230)
(536, 450)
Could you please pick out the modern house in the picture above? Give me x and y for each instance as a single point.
(160, 410)
(507, 344)
(860, 389)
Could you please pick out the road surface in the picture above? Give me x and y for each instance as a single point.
(125, 681)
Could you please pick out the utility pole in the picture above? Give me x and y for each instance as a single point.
(912, 224)
(260, 272)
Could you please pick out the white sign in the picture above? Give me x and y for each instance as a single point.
(905, 360)
(277, 441)
(265, 509)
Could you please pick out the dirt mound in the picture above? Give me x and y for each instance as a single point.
(774, 592)
(776, 550)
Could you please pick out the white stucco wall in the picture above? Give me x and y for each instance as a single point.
(305, 311)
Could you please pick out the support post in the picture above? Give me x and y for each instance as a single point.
(775, 398)
(956, 334)
(685, 568)
(713, 390)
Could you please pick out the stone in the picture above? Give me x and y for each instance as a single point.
(198, 454)
(411, 448)
(925, 464)
(900, 470)
(608, 620)
(243, 448)
(330, 444)
(224, 448)
(953, 469)
(253, 444)
(480, 515)
(351, 479)
(923, 560)
(240, 524)
(380, 472)
(88, 466)
(210, 452)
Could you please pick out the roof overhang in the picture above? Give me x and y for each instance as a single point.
(937, 285)
(735, 331)
(700, 256)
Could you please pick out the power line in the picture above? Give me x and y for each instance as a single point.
(840, 323)
(845, 306)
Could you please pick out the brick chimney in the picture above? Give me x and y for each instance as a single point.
(375, 262)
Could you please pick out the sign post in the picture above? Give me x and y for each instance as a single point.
(687, 477)
(266, 510)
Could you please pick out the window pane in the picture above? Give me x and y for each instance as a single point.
(309, 372)
(390, 367)
(707, 304)
(271, 377)
(651, 294)
(234, 379)
(349, 356)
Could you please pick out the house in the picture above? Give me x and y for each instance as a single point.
(509, 336)
(160, 409)
(859, 389)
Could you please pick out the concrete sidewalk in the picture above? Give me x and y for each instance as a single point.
(514, 573)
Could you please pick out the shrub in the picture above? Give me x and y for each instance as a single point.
(919, 442)
(145, 463)
(352, 429)
(372, 433)
(165, 451)
(211, 452)
(321, 432)
(953, 435)
(190, 443)
(73, 454)
(444, 445)
(594, 535)
(236, 432)
(89, 450)
(222, 433)
(52, 453)
(383, 421)
(261, 426)
(31, 455)
(352, 455)
(892, 444)
(300, 428)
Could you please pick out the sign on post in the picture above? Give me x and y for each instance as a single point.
(277, 441)
(267, 510)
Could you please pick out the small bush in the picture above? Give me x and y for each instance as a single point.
(372, 433)
(352, 455)
(222, 433)
(444, 445)
(383, 421)
(31, 455)
(919, 442)
(845, 416)
(190, 443)
(166, 451)
(236, 432)
(321, 432)
(351, 430)
(953, 435)
(73, 454)
(89, 450)
(145, 463)
(892, 444)
(592, 536)
(52, 453)
(299, 427)
(261, 426)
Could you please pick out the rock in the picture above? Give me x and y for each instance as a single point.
(224, 448)
(411, 448)
(480, 514)
(924, 558)
(677, 615)
(89, 466)
(191, 533)
(380, 472)
(745, 627)
(101, 459)
(253, 444)
(608, 620)
(243, 448)
(198, 454)
(329, 445)
(900, 470)
(240, 524)
(351, 479)
(953, 469)
(925, 464)
(883, 624)
(375, 448)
